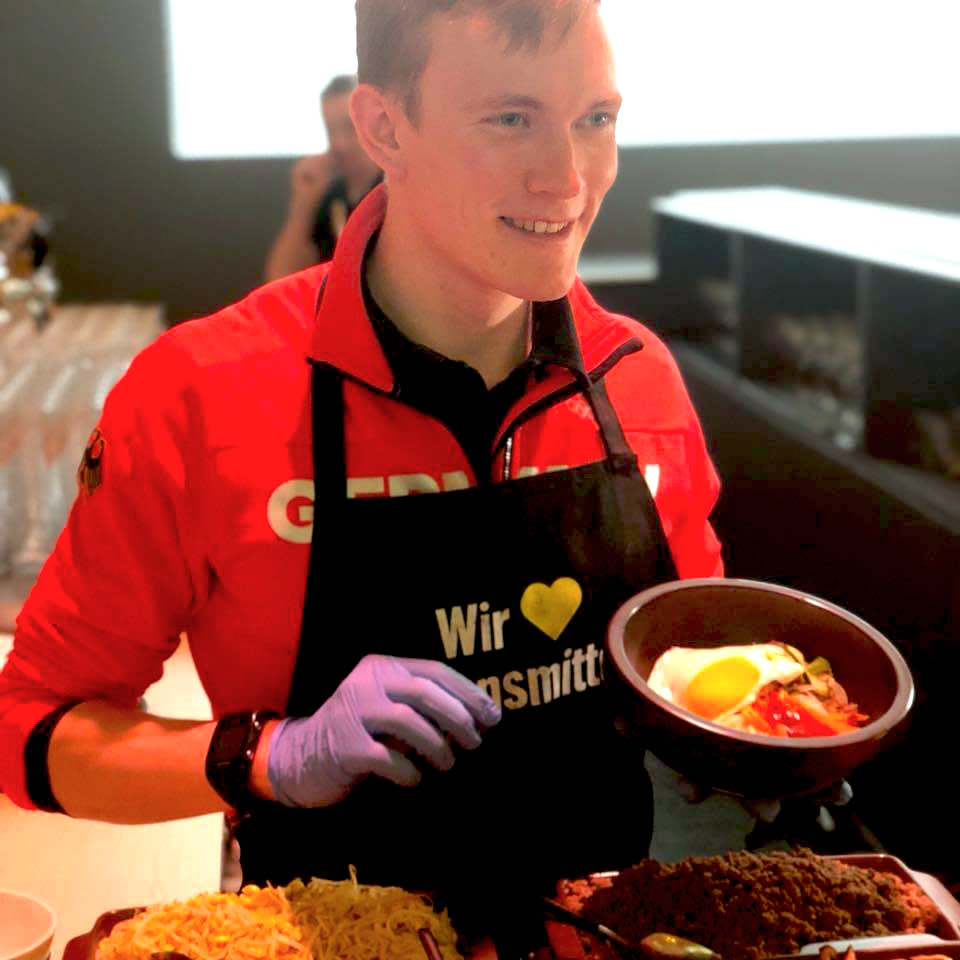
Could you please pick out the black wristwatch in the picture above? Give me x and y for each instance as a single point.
(231, 752)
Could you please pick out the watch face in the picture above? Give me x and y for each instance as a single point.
(230, 738)
(231, 753)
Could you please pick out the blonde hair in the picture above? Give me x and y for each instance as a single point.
(392, 35)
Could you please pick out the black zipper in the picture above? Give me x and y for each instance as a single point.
(506, 439)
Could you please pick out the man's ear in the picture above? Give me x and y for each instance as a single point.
(375, 115)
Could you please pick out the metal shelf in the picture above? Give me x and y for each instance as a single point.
(880, 285)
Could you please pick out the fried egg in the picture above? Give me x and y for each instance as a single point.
(715, 683)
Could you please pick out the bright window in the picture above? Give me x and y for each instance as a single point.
(245, 76)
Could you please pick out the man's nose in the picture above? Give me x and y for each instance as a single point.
(555, 168)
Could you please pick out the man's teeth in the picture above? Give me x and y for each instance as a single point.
(537, 226)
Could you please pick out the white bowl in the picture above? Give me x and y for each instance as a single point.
(26, 927)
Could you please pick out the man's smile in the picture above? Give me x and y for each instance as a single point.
(545, 227)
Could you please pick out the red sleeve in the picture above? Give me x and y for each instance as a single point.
(695, 547)
(689, 498)
(120, 585)
(693, 543)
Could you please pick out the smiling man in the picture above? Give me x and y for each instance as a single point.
(497, 171)
(393, 500)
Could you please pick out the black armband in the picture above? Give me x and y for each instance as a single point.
(35, 760)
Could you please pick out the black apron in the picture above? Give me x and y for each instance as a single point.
(487, 580)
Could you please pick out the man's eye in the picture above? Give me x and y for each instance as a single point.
(510, 120)
(600, 118)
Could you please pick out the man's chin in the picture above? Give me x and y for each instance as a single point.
(545, 287)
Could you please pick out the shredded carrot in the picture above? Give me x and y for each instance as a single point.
(255, 924)
(319, 920)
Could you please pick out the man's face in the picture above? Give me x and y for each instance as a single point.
(510, 156)
(351, 159)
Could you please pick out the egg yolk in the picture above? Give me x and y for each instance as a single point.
(720, 686)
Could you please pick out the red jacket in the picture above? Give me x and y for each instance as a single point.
(203, 517)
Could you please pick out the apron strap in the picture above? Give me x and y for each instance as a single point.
(329, 447)
(329, 488)
(622, 463)
(620, 458)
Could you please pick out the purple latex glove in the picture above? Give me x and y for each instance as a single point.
(421, 704)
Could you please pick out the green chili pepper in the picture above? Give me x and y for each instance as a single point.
(669, 945)
(818, 665)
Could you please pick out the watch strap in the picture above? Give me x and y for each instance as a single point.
(230, 755)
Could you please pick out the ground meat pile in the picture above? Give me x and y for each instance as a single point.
(750, 905)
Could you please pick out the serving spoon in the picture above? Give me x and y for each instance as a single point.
(657, 946)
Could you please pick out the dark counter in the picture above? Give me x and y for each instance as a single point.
(878, 538)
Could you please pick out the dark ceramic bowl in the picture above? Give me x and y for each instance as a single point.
(721, 612)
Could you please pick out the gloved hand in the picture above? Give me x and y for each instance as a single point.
(838, 794)
(315, 761)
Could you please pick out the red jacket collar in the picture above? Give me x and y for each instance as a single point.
(344, 336)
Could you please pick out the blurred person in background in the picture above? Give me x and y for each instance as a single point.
(324, 188)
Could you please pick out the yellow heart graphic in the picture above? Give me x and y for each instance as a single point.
(551, 608)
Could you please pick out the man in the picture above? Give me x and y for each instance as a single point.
(324, 188)
(394, 499)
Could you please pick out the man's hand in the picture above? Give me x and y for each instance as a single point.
(385, 705)
(837, 794)
(310, 179)
(294, 248)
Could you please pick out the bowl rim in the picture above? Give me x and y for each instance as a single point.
(880, 727)
(51, 926)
